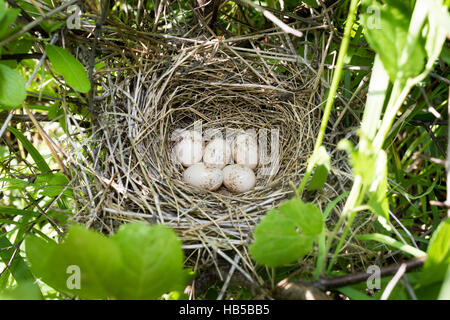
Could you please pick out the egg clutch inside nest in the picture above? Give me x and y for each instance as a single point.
(227, 160)
(222, 94)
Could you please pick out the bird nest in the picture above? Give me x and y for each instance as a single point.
(125, 169)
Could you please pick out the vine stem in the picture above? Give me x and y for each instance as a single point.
(332, 93)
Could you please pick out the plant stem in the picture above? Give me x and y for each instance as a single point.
(332, 92)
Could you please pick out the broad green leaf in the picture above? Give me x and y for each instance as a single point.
(139, 262)
(438, 259)
(52, 184)
(306, 216)
(37, 157)
(94, 255)
(12, 88)
(364, 165)
(69, 67)
(154, 260)
(322, 163)
(438, 28)
(405, 6)
(9, 17)
(388, 35)
(277, 242)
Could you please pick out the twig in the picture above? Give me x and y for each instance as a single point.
(326, 284)
(215, 11)
(21, 56)
(269, 15)
(444, 204)
(431, 159)
(23, 118)
(98, 27)
(391, 285)
(297, 291)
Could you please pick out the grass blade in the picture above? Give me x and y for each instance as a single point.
(393, 243)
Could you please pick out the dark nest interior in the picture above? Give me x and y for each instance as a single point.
(154, 82)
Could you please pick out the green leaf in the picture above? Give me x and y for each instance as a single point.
(12, 88)
(15, 211)
(53, 184)
(25, 291)
(306, 216)
(364, 165)
(154, 260)
(277, 242)
(37, 157)
(322, 163)
(9, 17)
(354, 294)
(139, 262)
(389, 36)
(438, 28)
(18, 267)
(406, 6)
(438, 260)
(69, 67)
(286, 236)
(97, 258)
(2, 9)
(393, 243)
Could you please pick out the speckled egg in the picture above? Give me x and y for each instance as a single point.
(245, 150)
(217, 153)
(202, 177)
(238, 178)
(189, 150)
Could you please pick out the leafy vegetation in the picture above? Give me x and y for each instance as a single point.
(397, 204)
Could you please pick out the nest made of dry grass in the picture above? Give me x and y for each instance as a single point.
(124, 167)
